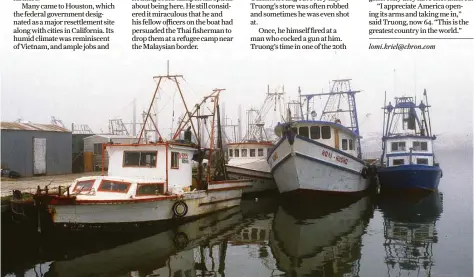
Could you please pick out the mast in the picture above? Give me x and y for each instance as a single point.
(149, 109)
(428, 110)
(383, 125)
(134, 118)
(256, 117)
(220, 172)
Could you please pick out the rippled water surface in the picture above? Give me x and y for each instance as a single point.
(369, 236)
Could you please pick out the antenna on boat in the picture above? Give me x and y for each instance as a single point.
(428, 110)
(383, 126)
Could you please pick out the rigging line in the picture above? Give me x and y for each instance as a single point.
(164, 106)
(172, 116)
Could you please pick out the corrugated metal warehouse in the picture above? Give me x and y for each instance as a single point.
(93, 148)
(36, 149)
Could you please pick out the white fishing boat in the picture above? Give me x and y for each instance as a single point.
(247, 160)
(247, 157)
(320, 155)
(148, 183)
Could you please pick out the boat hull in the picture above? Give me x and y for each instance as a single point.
(261, 181)
(306, 165)
(85, 213)
(418, 178)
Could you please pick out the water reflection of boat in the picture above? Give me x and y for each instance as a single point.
(170, 252)
(410, 232)
(320, 244)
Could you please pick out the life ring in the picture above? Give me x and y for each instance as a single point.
(181, 240)
(180, 209)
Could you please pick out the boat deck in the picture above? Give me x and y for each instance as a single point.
(30, 184)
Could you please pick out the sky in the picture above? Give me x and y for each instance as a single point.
(93, 87)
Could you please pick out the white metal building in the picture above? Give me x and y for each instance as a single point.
(94, 144)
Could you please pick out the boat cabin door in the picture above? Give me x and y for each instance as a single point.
(336, 139)
(39, 156)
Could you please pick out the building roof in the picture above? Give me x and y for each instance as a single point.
(16, 126)
(107, 136)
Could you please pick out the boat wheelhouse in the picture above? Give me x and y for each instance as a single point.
(149, 183)
(408, 161)
(320, 155)
(249, 156)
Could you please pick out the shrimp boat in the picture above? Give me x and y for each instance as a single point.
(408, 162)
(322, 156)
(247, 158)
(149, 183)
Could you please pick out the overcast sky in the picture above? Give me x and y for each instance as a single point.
(93, 87)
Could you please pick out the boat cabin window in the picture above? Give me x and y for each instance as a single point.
(150, 189)
(344, 144)
(174, 160)
(398, 146)
(244, 153)
(315, 132)
(237, 153)
(114, 186)
(139, 159)
(398, 162)
(422, 161)
(260, 152)
(252, 152)
(84, 185)
(351, 144)
(326, 132)
(304, 131)
(294, 130)
(231, 152)
(420, 146)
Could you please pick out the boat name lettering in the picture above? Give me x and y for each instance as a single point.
(341, 159)
(326, 154)
(183, 157)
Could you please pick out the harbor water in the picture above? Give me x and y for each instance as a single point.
(372, 235)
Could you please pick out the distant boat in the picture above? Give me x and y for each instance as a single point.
(322, 155)
(247, 157)
(247, 160)
(408, 161)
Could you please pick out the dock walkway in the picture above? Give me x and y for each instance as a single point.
(29, 184)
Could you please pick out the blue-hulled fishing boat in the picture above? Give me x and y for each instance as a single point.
(408, 161)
